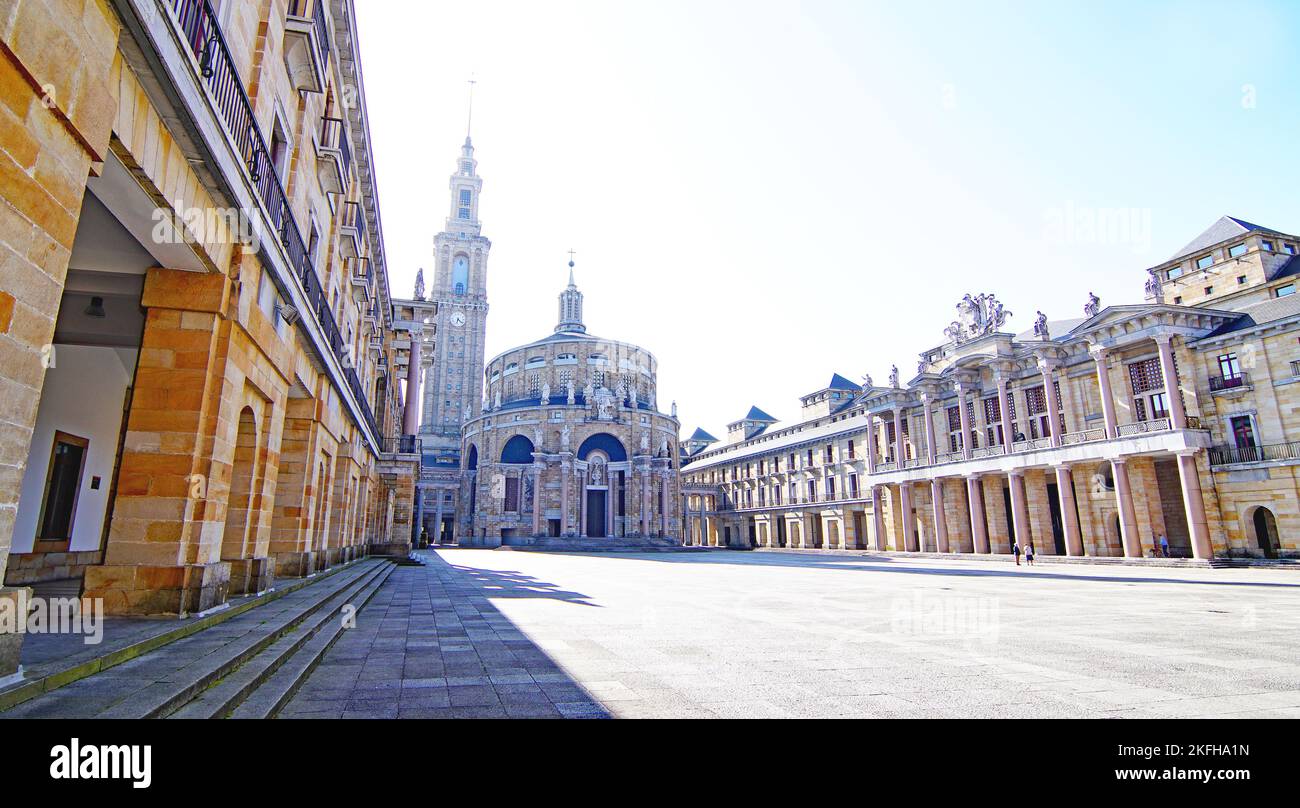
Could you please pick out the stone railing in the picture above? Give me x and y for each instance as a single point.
(1238, 455)
(1144, 428)
(1086, 436)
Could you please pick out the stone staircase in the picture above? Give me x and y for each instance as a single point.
(246, 667)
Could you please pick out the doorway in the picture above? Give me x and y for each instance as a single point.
(596, 514)
(1266, 532)
(1058, 527)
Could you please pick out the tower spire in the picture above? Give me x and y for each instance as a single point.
(469, 124)
(571, 306)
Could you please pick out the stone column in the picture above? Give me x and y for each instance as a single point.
(909, 518)
(583, 529)
(1019, 512)
(878, 517)
(978, 527)
(1004, 412)
(928, 410)
(1127, 515)
(1069, 511)
(645, 503)
(411, 412)
(437, 526)
(539, 471)
(1100, 356)
(1190, 478)
(1169, 372)
(565, 484)
(1053, 401)
(940, 519)
(962, 390)
(900, 454)
(871, 444)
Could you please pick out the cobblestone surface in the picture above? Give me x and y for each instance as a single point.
(510, 634)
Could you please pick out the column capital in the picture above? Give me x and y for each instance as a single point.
(1163, 338)
(973, 477)
(1100, 353)
(1016, 473)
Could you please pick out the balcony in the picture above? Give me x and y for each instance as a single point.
(362, 278)
(201, 34)
(352, 230)
(1237, 456)
(1230, 382)
(402, 445)
(1295, 368)
(1144, 428)
(306, 43)
(333, 156)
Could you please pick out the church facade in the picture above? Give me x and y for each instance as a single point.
(1167, 421)
(570, 443)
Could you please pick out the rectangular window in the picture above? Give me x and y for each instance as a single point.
(512, 495)
(1267, 246)
(1238, 250)
(1243, 432)
(1285, 291)
(1205, 262)
(1175, 272)
(830, 488)
(464, 198)
(1229, 367)
(63, 486)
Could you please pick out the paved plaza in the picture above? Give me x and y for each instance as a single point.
(747, 635)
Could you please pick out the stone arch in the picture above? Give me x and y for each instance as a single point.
(471, 458)
(243, 474)
(604, 442)
(518, 451)
(1263, 524)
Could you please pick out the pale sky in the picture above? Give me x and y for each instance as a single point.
(764, 193)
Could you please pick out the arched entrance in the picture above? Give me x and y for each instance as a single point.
(235, 537)
(1266, 532)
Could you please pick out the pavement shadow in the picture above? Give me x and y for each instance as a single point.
(514, 584)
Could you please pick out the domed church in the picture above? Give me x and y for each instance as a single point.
(570, 444)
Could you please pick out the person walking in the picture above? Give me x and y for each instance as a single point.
(1029, 554)
(1015, 548)
(1164, 545)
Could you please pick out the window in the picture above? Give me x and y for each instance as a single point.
(1285, 291)
(1241, 280)
(1205, 262)
(466, 167)
(1243, 432)
(1229, 367)
(1267, 246)
(1209, 290)
(465, 198)
(512, 495)
(1175, 272)
(830, 488)
(62, 486)
(1239, 250)
(1178, 301)
(1290, 248)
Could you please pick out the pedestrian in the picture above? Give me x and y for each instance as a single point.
(1029, 554)
(1015, 549)
(1164, 545)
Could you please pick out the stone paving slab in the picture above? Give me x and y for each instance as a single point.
(480, 634)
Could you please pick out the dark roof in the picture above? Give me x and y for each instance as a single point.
(838, 382)
(1267, 311)
(701, 435)
(1290, 268)
(755, 414)
(1222, 230)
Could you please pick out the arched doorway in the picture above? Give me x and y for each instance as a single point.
(234, 541)
(1266, 532)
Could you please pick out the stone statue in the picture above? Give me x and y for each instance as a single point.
(631, 398)
(1040, 327)
(674, 409)
(977, 316)
(867, 382)
(597, 473)
(645, 442)
(605, 404)
(589, 392)
(496, 399)
(546, 393)
(1154, 288)
(893, 378)
(566, 435)
(1094, 306)
(663, 448)
(922, 367)
(537, 439)
(419, 284)
(572, 395)
(467, 413)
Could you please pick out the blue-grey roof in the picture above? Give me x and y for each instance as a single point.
(1266, 311)
(701, 435)
(755, 414)
(1290, 268)
(838, 382)
(1222, 230)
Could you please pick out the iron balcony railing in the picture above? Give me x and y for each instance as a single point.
(1236, 455)
(202, 33)
(1229, 382)
(403, 444)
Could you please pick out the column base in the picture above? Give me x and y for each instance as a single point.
(395, 550)
(295, 565)
(12, 599)
(132, 590)
(249, 576)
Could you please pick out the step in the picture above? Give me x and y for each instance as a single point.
(276, 691)
(227, 693)
(163, 679)
(81, 666)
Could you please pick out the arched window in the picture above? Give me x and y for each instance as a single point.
(460, 274)
(518, 451)
(606, 444)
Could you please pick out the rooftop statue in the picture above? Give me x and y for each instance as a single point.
(977, 316)
(1094, 306)
(1040, 327)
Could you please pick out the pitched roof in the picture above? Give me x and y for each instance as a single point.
(1222, 230)
(701, 435)
(1266, 311)
(838, 382)
(755, 414)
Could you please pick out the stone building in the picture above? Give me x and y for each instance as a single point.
(570, 443)
(455, 309)
(196, 335)
(1097, 435)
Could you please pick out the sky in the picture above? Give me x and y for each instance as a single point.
(766, 192)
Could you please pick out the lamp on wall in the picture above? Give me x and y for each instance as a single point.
(96, 308)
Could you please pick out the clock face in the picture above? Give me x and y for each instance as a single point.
(458, 319)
